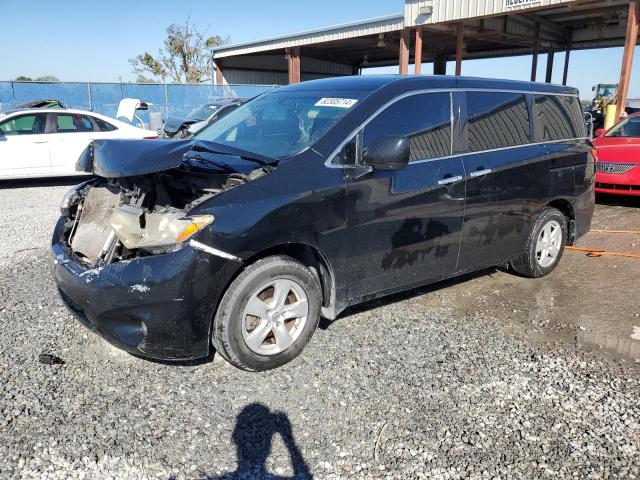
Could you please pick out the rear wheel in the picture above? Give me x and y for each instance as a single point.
(545, 245)
(268, 314)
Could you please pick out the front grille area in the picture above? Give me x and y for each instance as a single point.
(614, 168)
(609, 186)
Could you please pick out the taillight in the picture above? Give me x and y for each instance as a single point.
(151, 138)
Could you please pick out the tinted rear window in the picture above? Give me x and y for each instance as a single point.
(558, 117)
(425, 119)
(104, 126)
(69, 123)
(497, 120)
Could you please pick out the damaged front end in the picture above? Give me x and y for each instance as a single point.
(142, 207)
(122, 261)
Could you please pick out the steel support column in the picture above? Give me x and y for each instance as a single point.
(565, 73)
(440, 65)
(219, 75)
(534, 60)
(459, 48)
(418, 54)
(550, 54)
(567, 57)
(293, 63)
(404, 51)
(627, 59)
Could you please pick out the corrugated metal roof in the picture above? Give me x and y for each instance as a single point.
(452, 10)
(371, 26)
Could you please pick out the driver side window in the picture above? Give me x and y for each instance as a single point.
(424, 118)
(25, 125)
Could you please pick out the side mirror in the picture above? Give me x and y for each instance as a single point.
(600, 132)
(593, 89)
(388, 153)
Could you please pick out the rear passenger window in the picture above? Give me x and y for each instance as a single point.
(68, 123)
(558, 117)
(103, 126)
(425, 119)
(497, 120)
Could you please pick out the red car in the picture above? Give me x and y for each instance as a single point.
(618, 163)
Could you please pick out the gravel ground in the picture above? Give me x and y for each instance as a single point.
(396, 389)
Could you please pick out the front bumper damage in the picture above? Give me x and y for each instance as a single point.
(121, 266)
(158, 306)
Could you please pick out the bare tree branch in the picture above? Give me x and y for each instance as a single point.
(185, 57)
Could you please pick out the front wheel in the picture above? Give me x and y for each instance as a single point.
(544, 246)
(268, 314)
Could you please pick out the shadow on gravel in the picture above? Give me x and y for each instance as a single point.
(43, 182)
(255, 427)
(178, 363)
(399, 297)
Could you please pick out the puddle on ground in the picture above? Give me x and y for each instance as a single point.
(586, 303)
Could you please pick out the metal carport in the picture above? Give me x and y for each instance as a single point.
(439, 31)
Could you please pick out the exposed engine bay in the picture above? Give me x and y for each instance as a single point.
(113, 219)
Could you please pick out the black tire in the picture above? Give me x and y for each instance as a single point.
(528, 264)
(228, 324)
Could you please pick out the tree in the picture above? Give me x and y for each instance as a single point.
(186, 56)
(142, 79)
(44, 78)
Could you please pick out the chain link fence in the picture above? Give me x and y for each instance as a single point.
(168, 99)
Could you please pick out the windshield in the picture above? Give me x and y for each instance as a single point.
(607, 90)
(281, 124)
(203, 113)
(630, 127)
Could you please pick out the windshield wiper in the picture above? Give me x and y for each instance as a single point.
(212, 147)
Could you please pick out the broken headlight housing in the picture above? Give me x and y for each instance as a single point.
(136, 228)
(71, 199)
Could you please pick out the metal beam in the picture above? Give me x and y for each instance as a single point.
(459, 48)
(565, 73)
(627, 58)
(534, 60)
(418, 55)
(550, 55)
(567, 56)
(293, 64)
(219, 75)
(404, 51)
(440, 65)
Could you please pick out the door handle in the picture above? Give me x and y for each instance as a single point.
(480, 173)
(41, 141)
(447, 181)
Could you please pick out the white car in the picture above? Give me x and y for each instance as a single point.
(48, 142)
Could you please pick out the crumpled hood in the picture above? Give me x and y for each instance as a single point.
(173, 124)
(131, 158)
(128, 158)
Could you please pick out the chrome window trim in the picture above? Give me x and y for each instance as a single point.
(500, 149)
(328, 163)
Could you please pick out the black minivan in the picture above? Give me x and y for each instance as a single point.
(315, 197)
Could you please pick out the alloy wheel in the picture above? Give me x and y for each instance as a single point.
(548, 244)
(274, 316)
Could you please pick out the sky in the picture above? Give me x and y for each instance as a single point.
(93, 40)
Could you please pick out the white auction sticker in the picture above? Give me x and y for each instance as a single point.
(336, 102)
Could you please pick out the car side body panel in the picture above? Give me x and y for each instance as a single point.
(379, 232)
